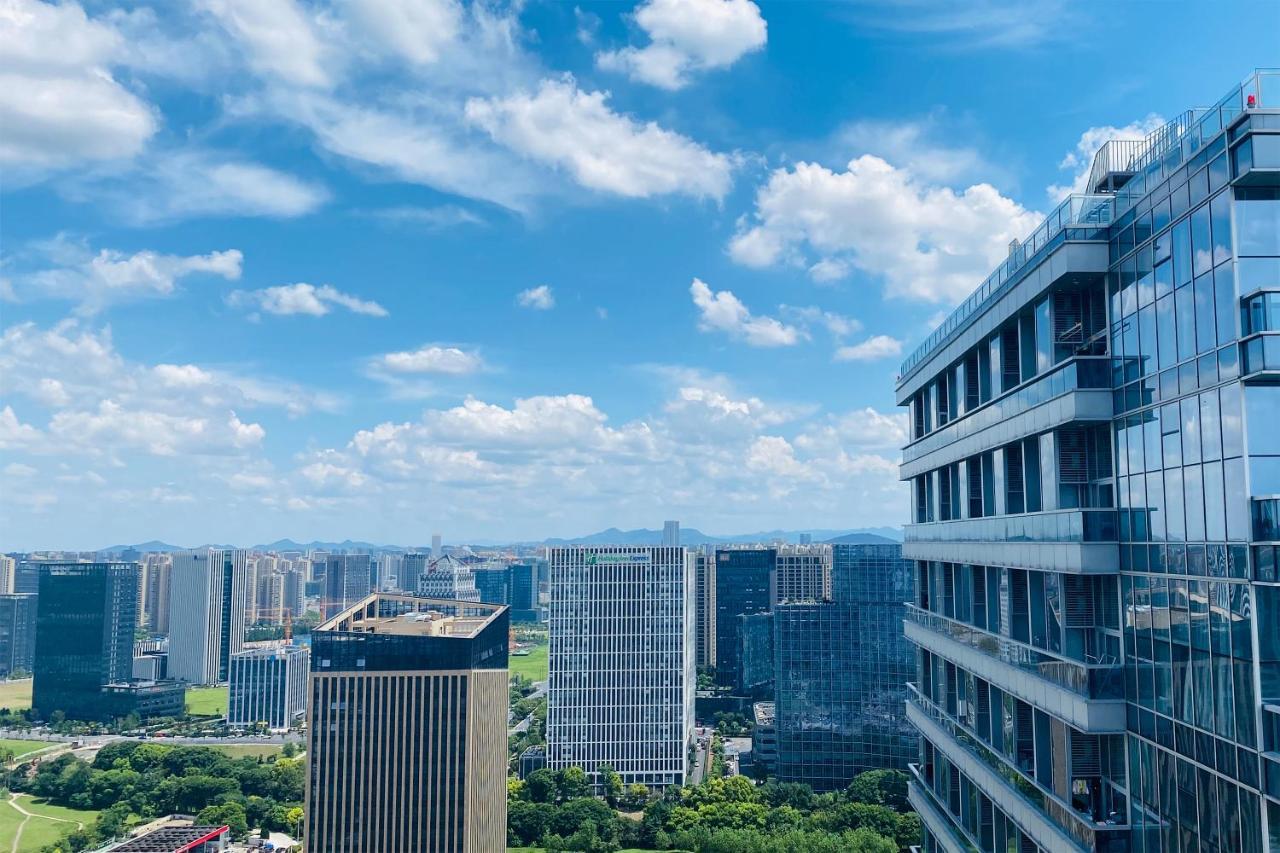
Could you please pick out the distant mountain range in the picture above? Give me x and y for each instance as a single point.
(612, 536)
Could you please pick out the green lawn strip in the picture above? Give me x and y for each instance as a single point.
(207, 701)
(15, 695)
(10, 820)
(20, 748)
(49, 823)
(252, 750)
(532, 666)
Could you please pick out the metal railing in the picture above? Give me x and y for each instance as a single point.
(1095, 681)
(1050, 526)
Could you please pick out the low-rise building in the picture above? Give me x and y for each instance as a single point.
(269, 685)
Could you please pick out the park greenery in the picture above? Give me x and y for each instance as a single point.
(522, 705)
(555, 810)
(131, 782)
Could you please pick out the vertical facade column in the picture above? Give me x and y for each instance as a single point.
(997, 467)
(1049, 470)
(963, 486)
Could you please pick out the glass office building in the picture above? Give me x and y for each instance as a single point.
(842, 667)
(745, 583)
(1094, 464)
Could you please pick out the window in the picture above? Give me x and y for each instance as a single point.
(1257, 214)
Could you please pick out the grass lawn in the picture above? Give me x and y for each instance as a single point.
(533, 665)
(207, 701)
(15, 695)
(20, 748)
(49, 825)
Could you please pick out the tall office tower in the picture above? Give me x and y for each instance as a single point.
(755, 635)
(156, 607)
(447, 577)
(622, 666)
(704, 570)
(26, 577)
(494, 585)
(295, 588)
(806, 538)
(1093, 450)
(85, 619)
(745, 583)
(206, 613)
(270, 599)
(390, 567)
(8, 566)
(268, 685)
(412, 567)
(842, 668)
(437, 546)
(17, 633)
(408, 728)
(319, 563)
(347, 579)
(803, 573)
(524, 593)
(671, 534)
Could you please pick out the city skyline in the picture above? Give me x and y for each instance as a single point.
(267, 289)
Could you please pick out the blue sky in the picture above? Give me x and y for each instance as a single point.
(376, 269)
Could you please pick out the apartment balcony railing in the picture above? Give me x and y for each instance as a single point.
(935, 815)
(1061, 525)
(1103, 680)
(1043, 815)
(1076, 374)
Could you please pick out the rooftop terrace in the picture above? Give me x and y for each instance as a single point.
(411, 615)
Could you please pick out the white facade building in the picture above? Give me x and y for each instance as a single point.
(206, 613)
(622, 661)
(269, 686)
(449, 578)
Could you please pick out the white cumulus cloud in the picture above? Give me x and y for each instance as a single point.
(303, 298)
(562, 126)
(539, 298)
(926, 242)
(433, 359)
(1080, 158)
(687, 36)
(721, 311)
(873, 348)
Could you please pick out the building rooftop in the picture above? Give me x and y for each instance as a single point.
(764, 713)
(1078, 215)
(172, 839)
(410, 615)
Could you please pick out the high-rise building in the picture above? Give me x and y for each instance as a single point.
(412, 567)
(745, 583)
(704, 569)
(206, 613)
(671, 534)
(803, 573)
(755, 634)
(622, 671)
(448, 577)
(348, 578)
(268, 685)
(157, 568)
(524, 593)
(270, 598)
(85, 619)
(1093, 467)
(408, 728)
(494, 585)
(295, 588)
(437, 545)
(8, 567)
(17, 633)
(842, 668)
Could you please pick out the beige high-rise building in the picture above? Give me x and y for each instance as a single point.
(803, 573)
(407, 714)
(8, 566)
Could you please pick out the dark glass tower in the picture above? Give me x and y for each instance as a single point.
(494, 585)
(1095, 473)
(17, 633)
(744, 585)
(85, 621)
(408, 728)
(842, 667)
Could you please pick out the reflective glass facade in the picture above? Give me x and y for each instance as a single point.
(842, 668)
(744, 584)
(1097, 618)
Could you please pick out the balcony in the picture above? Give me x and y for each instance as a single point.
(1089, 697)
(1080, 389)
(934, 816)
(1077, 541)
(1046, 819)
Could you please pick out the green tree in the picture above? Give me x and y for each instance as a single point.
(880, 788)
(541, 786)
(572, 783)
(611, 783)
(231, 814)
(635, 797)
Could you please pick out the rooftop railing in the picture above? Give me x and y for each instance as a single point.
(1080, 217)
(1161, 152)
